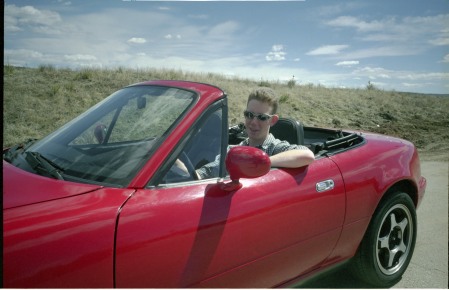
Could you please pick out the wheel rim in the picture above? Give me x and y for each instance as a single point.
(394, 239)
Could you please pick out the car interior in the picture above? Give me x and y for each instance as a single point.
(320, 141)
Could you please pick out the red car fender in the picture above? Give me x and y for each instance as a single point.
(55, 243)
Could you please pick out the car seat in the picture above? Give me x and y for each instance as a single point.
(289, 130)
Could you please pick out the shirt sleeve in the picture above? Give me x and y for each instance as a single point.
(285, 146)
(209, 170)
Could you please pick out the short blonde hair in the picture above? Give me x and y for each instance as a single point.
(265, 95)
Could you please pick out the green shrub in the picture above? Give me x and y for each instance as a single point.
(263, 83)
(284, 99)
(370, 86)
(291, 83)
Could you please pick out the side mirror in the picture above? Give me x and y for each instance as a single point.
(100, 133)
(141, 103)
(245, 162)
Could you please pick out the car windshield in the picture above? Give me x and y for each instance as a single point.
(110, 142)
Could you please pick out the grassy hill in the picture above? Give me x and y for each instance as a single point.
(39, 100)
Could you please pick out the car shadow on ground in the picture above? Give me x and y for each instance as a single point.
(337, 278)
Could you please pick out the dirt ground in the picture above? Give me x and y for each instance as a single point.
(434, 156)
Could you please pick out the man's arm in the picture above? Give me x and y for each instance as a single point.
(292, 158)
(209, 170)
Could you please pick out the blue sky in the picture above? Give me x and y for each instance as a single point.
(400, 45)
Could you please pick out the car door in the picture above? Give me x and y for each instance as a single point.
(195, 234)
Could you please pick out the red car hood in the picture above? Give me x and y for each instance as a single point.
(22, 188)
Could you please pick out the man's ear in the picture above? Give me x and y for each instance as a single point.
(274, 120)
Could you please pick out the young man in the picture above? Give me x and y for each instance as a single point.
(260, 115)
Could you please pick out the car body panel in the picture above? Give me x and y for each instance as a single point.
(369, 171)
(67, 242)
(200, 235)
(37, 188)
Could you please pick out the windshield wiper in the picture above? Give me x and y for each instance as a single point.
(14, 151)
(40, 163)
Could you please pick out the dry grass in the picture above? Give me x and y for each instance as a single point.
(39, 100)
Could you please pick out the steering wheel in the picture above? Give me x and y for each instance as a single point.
(190, 168)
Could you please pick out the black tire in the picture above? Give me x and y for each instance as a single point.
(389, 242)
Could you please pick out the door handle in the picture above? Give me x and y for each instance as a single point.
(325, 185)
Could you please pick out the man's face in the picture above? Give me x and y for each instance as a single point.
(256, 129)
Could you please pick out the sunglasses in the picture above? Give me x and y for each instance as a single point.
(262, 117)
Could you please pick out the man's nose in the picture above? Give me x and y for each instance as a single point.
(253, 121)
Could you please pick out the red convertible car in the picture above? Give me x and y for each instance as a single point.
(101, 202)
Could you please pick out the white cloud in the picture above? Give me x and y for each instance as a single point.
(373, 73)
(137, 40)
(446, 58)
(198, 16)
(396, 36)
(383, 37)
(22, 54)
(169, 36)
(408, 31)
(80, 57)
(424, 76)
(18, 18)
(224, 29)
(411, 85)
(360, 25)
(100, 35)
(439, 41)
(328, 50)
(348, 63)
(382, 51)
(276, 54)
(65, 3)
(23, 57)
(277, 47)
(382, 73)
